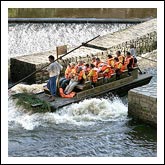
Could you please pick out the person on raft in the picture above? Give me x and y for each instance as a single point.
(75, 80)
(54, 71)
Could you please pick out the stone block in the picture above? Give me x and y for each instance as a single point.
(20, 69)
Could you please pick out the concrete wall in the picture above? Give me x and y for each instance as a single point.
(142, 104)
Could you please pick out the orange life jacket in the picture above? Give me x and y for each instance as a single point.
(80, 75)
(70, 95)
(67, 72)
(118, 65)
(95, 76)
(103, 68)
(108, 74)
(124, 66)
(121, 58)
(72, 72)
(128, 61)
(99, 64)
(110, 62)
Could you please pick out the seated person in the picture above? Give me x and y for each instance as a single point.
(110, 61)
(130, 62)
(87, 69)
(68, 73)
(98, 62)
(75, 80)
(93, 75)
(65, 80)
(120, 57)
(133, 53)
(118, 67)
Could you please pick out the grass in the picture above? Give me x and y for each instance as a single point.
(27, 100)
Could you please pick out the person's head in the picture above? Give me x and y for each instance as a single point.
(72, 64)
(93, 59)
(80, 63)
(97, 60)
(87, 65)
(51, 58)
(118, 53)
(79, 69)
(92, 65)
(110, 56)
(131, 46)
(116, 59)
(128, 54)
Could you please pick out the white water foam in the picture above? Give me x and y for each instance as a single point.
(84, 113)
(32, 38)
(34, 88)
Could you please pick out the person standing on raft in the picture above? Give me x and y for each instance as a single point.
(54, 71)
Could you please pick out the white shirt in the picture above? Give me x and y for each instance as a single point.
(54, 69)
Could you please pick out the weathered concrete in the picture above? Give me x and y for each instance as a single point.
(142, 103)
(22, 66)
(143, 36)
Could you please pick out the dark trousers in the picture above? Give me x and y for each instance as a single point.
(64, 82)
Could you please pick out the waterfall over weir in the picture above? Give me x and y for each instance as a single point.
(32, 38)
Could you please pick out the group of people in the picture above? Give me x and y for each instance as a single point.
(78, 73)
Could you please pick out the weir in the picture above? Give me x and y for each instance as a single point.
(143, 36)
(76, 20)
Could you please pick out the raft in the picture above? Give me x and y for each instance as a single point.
(84, 91)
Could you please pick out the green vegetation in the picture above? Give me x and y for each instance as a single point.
(32, 103)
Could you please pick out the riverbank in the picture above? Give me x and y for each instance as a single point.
(124, 13)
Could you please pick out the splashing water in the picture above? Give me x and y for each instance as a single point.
(86, 112)
(21, 88)
(33, 38)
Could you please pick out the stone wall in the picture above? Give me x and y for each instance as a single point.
(143, 44)
(142, 104)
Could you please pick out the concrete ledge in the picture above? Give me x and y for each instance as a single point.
(142, 107)
(76, 20)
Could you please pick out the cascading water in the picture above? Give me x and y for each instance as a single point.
(94, 127)
(32, 38)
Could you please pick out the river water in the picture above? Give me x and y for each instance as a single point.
(97, 127)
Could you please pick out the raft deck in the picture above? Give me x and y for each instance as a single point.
(118, 86)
